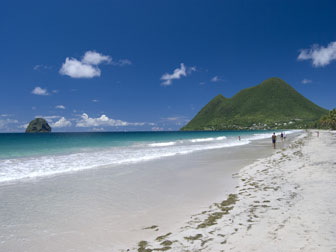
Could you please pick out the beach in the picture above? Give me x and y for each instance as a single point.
(285, 202)
(209, 200)
(110, 208)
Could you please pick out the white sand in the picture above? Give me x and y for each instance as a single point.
(108, 208)
(286, 202)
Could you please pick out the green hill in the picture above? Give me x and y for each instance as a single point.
(269, 105)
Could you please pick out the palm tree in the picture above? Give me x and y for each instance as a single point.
(329, 121)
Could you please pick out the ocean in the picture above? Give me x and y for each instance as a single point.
(26, 156)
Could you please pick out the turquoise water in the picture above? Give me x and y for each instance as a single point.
(25, 156)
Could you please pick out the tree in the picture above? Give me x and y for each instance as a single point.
(329, 121)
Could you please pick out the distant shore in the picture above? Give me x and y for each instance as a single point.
(285, 202)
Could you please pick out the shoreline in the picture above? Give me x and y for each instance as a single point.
(111, 208)
(283, 202)
(28, 166)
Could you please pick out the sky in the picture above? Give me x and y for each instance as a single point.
(152, 65)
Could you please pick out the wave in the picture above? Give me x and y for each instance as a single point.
(162, 144)
(209, 139)
(34, 167)
(47, 165)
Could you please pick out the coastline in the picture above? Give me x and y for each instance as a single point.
(110, 209)
(284, 202)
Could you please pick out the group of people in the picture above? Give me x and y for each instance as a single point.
(274, 138)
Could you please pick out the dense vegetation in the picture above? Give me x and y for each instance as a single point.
(328, 121)
(270, 105)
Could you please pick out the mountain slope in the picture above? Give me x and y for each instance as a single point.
(271, 104)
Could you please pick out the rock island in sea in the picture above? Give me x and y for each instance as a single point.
(38, 125)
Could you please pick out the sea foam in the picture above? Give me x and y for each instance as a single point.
(46, 165)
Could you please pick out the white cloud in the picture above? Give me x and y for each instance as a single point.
(177, 74)
(76, 69)
(87, 67)
(5, 122)
(320, 55)
(94, 58)
(61, 123)
(24, 126)
(60, 107)
(306, 81)
(216, 79)
(48, 117)
(95, 100)
(103, 120)
(40, 91)
(55, 91)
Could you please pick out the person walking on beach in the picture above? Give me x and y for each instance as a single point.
(282, 136)
(274, 140)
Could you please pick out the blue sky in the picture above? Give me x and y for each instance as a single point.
(152, 65)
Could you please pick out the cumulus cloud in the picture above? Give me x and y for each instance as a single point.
(94, 58)
(77, 69)
(40, 91)
(103, 120)
(87, 67)
(320, 55)
(23, 126)
(183, 71)
(60, 107)
(306, 81)
(61, 123)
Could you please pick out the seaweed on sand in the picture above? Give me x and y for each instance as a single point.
(162, 237)
(193, 238)
(225, 207)
(142, 247)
